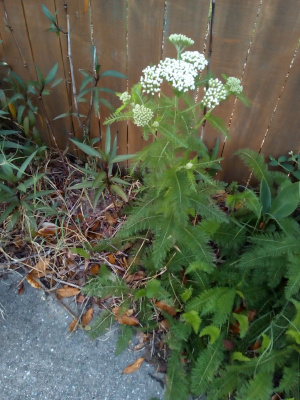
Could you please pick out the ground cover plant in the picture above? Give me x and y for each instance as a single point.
(205, 272)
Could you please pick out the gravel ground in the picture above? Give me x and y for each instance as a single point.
(41, 360)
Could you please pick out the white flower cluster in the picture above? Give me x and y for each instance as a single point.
(234, 85)
(125, 97)
(180, 74)
(214, 94)
(151, 80)
(179, 39)
(142, 115)
(195, 58)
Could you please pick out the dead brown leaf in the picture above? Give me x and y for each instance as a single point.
(48, 229)
(111, 258)
(94, 269)
(124, 319)
(40, 269)
(134, 366)
(67, 291)
(21, 288)
(165, 307)
(137, 276)
(73, 325)
(164, 324)
(80, 299)
(87, 317)
(33, 282)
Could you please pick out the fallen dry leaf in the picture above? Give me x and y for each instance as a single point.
(111, 258)
(87, 317)
(80, 299)
(164, 324)
(73, 325)
(256, 345)
(137, 276)
(165, 307)
(228, 344)
(125, 319)
(40, 269)
(67, 291)
(33, 282)
(21, 288)
(251, 315)
(94, 269)
(48, 229)
(134, 366)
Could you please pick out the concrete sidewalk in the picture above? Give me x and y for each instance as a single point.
(41, 360)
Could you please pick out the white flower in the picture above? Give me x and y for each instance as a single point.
(234, 85)
(142, 115)
(151, 80)
(155, 124)
(214, 94)
(189, 165)
(125, 97)
(197, 59)
(180, 74)
(179, 39)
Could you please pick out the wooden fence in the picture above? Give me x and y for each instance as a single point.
(254, 40)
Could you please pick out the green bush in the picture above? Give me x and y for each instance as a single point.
(226, 278)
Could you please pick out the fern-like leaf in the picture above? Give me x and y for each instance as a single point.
(206, 367)
(177, 380)
(101, 324)
(259, 388)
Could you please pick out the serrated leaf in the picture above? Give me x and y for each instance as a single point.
(81, 252)
(212, 331)
(192, 318)
(218, 124)
(243, 323)
(238, 356)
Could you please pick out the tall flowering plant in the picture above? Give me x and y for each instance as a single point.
(174, 217)
(177, 117)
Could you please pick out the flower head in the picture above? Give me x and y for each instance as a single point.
(142, 115)
(195, 58)
(125, 97)
(215, 93)
(151, 80)
(180, 74)
(234, 85)
(180, 40)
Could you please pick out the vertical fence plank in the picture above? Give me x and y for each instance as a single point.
(284, 131)
(145, 30)
(275, 40)
(15, 39)
(46, 52)
(233, 24)
(109, 27)
(188, 18)
(81, 57)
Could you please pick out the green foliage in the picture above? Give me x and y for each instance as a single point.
(103, 180)
(19, 190)
(290, 164)
(228, 281)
